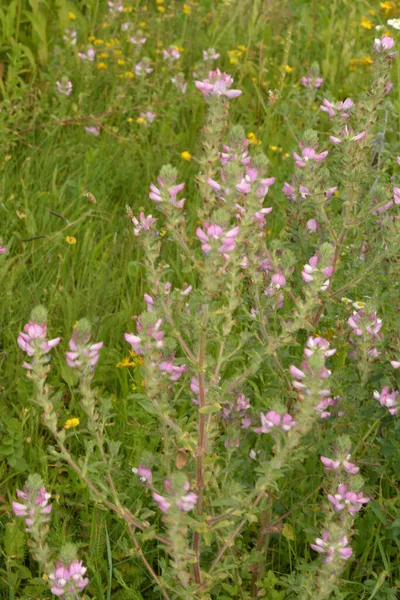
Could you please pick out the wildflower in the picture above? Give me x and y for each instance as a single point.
(163, 504)
(143, 224)
(102, 66)
(217, 84)
(274, 419)
(395, 364)
(145, 475)
(310, 270)
(137, 40)
(312, 225)
(289, 69)
(64, 87)
(93, 130)
(90, 55)
(186, 10)
(346, 300)
(347, 499)
(187, 502)
(153, 332)
(387, 399)
(115, 7)
(289, 191)
(214, 235)
(210, 54)
(159, 194)
(71, 240)
(384, 44)
(74, 422)
(34, 506)
(308, 154)
(3, 249)
(253, 138)
(146, 118)
(126, 26)
(33, 339)
(70, 36)
(331, 464)
(186, 155)
(395, 23)
(340, 546)
(362, 323)
(366, 23)
(143, 67)
(172, 53)
(172, 370)
(129, 74)
(179, 82)
(82, 355)
(68, 579)
(71, 16)
(312, 82)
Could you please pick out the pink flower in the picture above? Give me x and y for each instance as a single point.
(158, 195)
(35, 506)
(340, 545)
(90, 55)
(171, 53)
(172, 370)
(93, 130)
(312, 81)
(137, 40)
(217, 84)
(145, 475)
(33, 340)
(349, 500)
(143, 224)
(328, 107)
(187, 502)
(215, 233)
(308, 154)
(395, 364)
(388, 399)
(384, 44)
(3, 249)
(143, 68)
(312, 225)
(82, 355)
(68, 579)
(162, 502)
(210, 54)
(64, 87)
(289, 191)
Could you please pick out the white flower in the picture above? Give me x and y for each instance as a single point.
(395, 23)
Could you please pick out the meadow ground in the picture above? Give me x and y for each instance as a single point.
(95, 99)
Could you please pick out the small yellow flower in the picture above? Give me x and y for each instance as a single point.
(242, 48)
(71, 240)
(372, 12)
(102, 65)
(186, 10)
(91, 38)
(133, 387)
(129, 120)
(8, 157)
(161, 9)
(125, 362)
(314, 107)
(117, 52)
(20, 214)
(253, 138)
(74, 422)
(366, 23)
(75, 325)
(45, 577)
(129, 74)
(163, 232)
(160, 1)
(133, 354)
(286, 155)
(105, 25)
(103, 55)
(233, 61)
(273, 148)
(128, 9)
(140, 361)
(289, 69)
(121, 61)
(142, 24)
(97, 42)
(141, 121)
(186, 155)
(71, 16)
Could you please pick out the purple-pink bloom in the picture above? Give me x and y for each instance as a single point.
(157, 195)
(34, 507)
(210, 54)
(217, 84)
(33, 340)
(347, 499)
(68, 579)
(387, 399)
(143, 224)
(174, 371)
(323, 546)
(215, 233)
(82, 355)
(308, 154)
(64, 87)
(311, 81)
(93, 130)
(162, 502)
(187, 502)
(145, 475)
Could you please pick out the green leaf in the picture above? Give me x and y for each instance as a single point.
(210, 409)
(14, 540)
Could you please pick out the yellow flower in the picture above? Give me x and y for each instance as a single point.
(121, 61)
(133, 354)
(118, 52)
(128, 9)
(91, 38)
(233, 61)
(366, 23)
(45, 577)
(253, 138)
(186, 155)
(186, 10)
(163, 232)
(286, 155)
(140, 361)
(97, 42)
(141, 121)
(103, 55)
(102, 65)
(242, 48)
(71, 16)
(314, 107)
(289, 69)
(372, 12)
(130, 120)
(160, 1)
(273, 148)
(74, 422)
(125, 362)
(71, 240)
(129, 74)
(20, 214)
(142, 24)
(161, 9)
(105, 25)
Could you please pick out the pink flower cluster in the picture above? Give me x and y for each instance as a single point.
(213, 237)
(68, 579)
(217, 84)
(290, 192)
(82, 355)
(236, 413)
(145, 475)
(142, 224)
(308, 154)
(311, 81)
(274, 419)
(169, 195)
(315, 345)
(384, 44)
(311, 270)
(173, 371)
(33, 341)
(35, 507)
(326, 403)
(388, 399)
(333, 465)
(364, 324)
(331, 547)
(347, 134)
(342, 109)
(347, 499)
(185, 502)
(153, 334)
